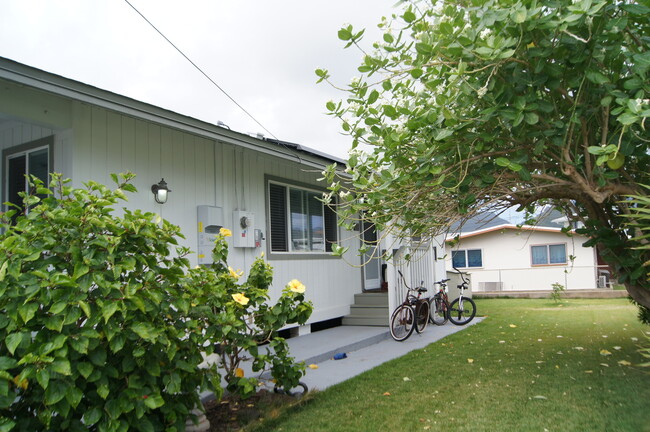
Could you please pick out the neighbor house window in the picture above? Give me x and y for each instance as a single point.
(464, 258)
(24, 161)
(299, 221)
(548, 254)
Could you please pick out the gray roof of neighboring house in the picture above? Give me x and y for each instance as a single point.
(36, 78)
(479, 222)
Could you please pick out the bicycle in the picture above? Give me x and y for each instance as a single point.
(439, 304)
(463, 309)
(414, 310)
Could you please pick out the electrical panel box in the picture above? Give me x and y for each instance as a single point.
(243, 229)
(210, 222)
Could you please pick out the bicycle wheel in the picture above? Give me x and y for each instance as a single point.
(422, 313)
(439, 311)
(462, 311)
(401, 323)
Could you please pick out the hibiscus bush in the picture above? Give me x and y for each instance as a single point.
(241, 321)
(103, 324)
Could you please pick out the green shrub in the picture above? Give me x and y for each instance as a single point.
(104, 325)
(556, 294)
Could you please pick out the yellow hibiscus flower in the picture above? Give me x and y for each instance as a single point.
(240, 298)
(296, 286)
(225, 232)
(235, 274)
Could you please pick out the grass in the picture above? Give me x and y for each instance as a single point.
(531, 365)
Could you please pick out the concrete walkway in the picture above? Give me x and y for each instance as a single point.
(365, 347)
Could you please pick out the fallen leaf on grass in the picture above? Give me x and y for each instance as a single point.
(513, 326)
(540, 397)
(604, 352)
(387, 394)
(589, 371)
(406, 379)
(604, 364)
(624, 363)
(470, 361)
(634, 339)
(617, 348)
(578, 348)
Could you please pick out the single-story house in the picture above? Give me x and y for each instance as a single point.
(501, 256)
(264, 190)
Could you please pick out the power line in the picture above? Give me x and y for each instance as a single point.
(200, 70)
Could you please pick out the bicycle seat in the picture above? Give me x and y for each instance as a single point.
(443, 281)
(421, 289)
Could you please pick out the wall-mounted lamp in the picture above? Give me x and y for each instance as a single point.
(160, 191)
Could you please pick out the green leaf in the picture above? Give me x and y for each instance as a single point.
(443, 133)
(55, 392)
(73, 396)
(108, 309)
(12, 341)
(531, 118)
(374, 95)
(85, 369)
(519, 15)
(596, 77)
(154, 401)
(388, 38)
(3, 270)
(145, 331)
(85, 308)
(61, 366)
(43, 378)
(92, 416)
(103, 391)
(627, 119)
(27, 311)
(502, 162)
(7, 363)
(409, 16)
(345, 34)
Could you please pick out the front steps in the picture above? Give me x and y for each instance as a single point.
(369, 309)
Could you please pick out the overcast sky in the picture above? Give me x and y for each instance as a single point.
(263, 53)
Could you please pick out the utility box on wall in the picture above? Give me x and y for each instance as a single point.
(209, 222)
(243, 231)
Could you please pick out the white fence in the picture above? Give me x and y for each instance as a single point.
(417, 264)
(540, 278)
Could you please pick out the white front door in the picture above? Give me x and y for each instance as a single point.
(372, 267)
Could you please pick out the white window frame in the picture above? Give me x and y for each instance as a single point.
(548, 255)
(290, 241)
(464, 251)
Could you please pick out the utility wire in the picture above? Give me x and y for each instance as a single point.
(200, 70)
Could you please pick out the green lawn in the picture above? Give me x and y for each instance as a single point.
(530, 365)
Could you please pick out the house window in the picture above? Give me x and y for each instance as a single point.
(20, 163)
(299, 221)
(548, 254)
(467, 258)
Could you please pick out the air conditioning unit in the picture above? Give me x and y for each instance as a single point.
(490, 286)
(602, 282)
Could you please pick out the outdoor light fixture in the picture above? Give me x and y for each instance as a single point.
(160, 191)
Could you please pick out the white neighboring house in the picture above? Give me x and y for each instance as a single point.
(501, 256)
(264, 190)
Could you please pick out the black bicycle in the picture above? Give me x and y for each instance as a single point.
(463, 309)
(412, 314)
(439, 304)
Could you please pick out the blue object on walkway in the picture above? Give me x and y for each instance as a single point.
(339, 356)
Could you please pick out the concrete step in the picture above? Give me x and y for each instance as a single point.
(369, 310)
(372, 321)
(371, 299)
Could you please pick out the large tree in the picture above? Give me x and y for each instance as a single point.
(492, 103)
